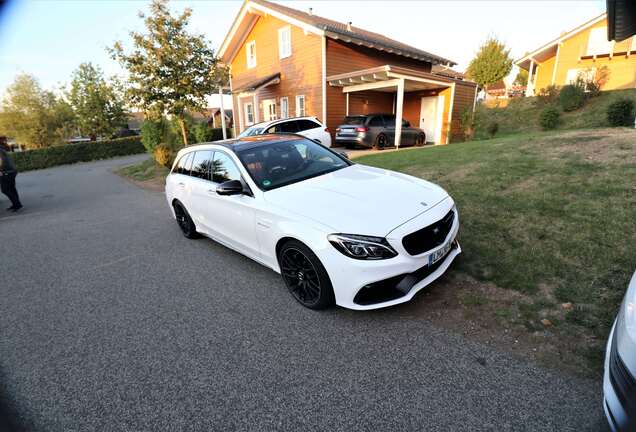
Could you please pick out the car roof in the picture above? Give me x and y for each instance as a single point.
(264, 124)
(246, 143)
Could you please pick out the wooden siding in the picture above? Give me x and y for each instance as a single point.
(342, 58)
(464, 101)
(369, 102)
(622, 68)
(301, 73)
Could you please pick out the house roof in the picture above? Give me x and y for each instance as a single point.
(547, 50)
(447, 72)
(331, 29)
(258, 84)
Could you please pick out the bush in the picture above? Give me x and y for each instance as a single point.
(621, 113)
(571, 97)
(152, 134)
(204, 133)
(467, 124)
(492, 129)
(548, 95)
(549, 118)
(72, 153)
(164, 155)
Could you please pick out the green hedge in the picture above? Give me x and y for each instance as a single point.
(72, 153)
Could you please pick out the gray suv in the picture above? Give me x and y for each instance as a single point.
(377, 131)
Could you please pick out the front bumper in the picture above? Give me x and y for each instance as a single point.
(350, 276)
(615, 402)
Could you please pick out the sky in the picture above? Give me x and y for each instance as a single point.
(50, 38)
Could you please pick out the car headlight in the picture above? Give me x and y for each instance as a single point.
(362, 247)
(629, 308)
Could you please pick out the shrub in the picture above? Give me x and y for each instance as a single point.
(152, 134)
(549, 118)
(548, 95)
(204, 133)
(621, 113)
(164, 155)
(572, 97)
(72, 153)
(492, 129)
(467, 124)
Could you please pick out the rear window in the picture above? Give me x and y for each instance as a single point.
(284, 127)
(304, 125)
(356, 120)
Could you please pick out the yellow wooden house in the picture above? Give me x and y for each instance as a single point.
(583, 50)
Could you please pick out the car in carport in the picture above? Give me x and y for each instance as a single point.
(376, 131)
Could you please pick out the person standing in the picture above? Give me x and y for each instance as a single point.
(7, 179)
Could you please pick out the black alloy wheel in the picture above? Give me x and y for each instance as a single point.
(305, 276)
(421, 140)
(185, 222)
(381, 142)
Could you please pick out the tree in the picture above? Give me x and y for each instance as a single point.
(522, 78)
(98, 105)
(170, 70)
(491, 64)
(32, 116)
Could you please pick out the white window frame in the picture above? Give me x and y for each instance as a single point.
(633, 48)
(284, 107)
(247, 113)
(299, 112)
(284, 47)
(597, 42)
(268, 104)
(251, 59)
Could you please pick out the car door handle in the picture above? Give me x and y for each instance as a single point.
(181, 184)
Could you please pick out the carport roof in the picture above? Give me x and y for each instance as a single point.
(372, 79)
(258, 84)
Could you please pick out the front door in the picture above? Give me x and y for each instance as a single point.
(430, 115)
(269, 109)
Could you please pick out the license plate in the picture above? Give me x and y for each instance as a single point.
(440, 253)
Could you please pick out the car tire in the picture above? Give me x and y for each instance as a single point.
(381, 141)
(421, 139)
(305, 276)
(188, 229)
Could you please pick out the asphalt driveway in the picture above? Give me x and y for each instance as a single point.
(111, 320)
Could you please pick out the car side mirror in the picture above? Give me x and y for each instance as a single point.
(230, 187)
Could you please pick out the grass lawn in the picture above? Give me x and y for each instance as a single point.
(144, 171)
(522, 114)
(549, 215)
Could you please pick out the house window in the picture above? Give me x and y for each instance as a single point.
(284, 42)
(284, 107)
(598, 43)
(300, 106)
(250, 50)
(249, 114)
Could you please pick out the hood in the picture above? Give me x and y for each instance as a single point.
(359, 199)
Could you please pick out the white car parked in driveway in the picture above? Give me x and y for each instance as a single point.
(309, 127)
(619, 380)
(336, 231)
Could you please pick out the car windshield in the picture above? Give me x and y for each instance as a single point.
(254, 130)
(354, 120)
(282, 163)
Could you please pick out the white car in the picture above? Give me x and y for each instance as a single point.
(309, 127)
(619, 379)
(336, 231)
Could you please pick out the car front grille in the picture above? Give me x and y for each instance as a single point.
(429, 237)
(621, 378)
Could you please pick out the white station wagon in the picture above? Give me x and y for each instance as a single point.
(337, 232)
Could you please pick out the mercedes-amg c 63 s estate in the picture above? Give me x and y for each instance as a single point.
(337, 232)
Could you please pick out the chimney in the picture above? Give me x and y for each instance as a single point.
(311, 11)
(349, 26)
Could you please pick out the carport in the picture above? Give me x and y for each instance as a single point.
(428, 97)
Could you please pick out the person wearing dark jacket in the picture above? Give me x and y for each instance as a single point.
(7, 180)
